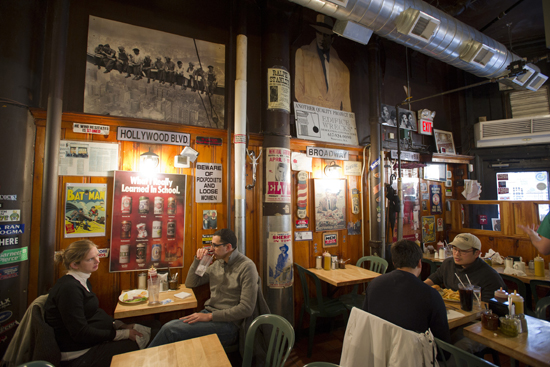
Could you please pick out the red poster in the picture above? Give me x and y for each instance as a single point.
(148, 221)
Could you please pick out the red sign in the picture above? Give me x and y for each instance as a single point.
(425, 126)
(482, 219)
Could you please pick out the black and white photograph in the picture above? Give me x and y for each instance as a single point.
(387, 115)
(407, 120)
(143, 73)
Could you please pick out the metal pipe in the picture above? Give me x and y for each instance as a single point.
(240, 143)
(51, 150)
(399, 181)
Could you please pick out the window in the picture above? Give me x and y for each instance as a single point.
(522, 185)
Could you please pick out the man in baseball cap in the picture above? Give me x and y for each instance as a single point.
(466, 264)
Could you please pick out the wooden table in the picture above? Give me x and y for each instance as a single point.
(468, 316)
(129, 310)
(532, 348)
(204, 351)
(530, 274)
(431, 258)
(349, 276)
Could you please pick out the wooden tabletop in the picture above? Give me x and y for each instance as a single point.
(204, 351)
(532, 348)
(124, 310)
(431, 257)
(349, 276)
(468, 316)
(530, 274)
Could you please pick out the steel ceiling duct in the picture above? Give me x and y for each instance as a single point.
(446, 44)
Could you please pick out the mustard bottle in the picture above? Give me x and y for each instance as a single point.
(539, 266)
(517, 300)
(327, 260)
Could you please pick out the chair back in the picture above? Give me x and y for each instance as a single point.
(539, 285)
(461, 357)
(304, 275)
(542, 305)
(377, 264)
(281, 340)
(321, 364)
(36, 364)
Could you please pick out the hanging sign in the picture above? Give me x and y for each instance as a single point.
(152, 136)
(11, 229)
(355, 201)
(277, 175)
(325, 124)
(407, 156)
(426, 122)
(301, 193)
(327, 153)
(352, 168)
(278, 89)
(435, 199)
(91, 129)
(208, 187)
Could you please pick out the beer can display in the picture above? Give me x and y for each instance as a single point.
(171, 209)
(159, 205)
(126, 205)
(171, 228)
(141, 252)
(157, 229)
(125, 229)
(156, 251)
(124, 256)
(143, 205)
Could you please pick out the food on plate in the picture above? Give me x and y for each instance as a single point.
(436, 287)
(449, 294)
(133, 296)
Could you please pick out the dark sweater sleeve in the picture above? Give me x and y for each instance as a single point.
(70, 303)
(439, 325)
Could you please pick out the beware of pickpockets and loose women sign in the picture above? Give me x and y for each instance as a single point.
(208, 186)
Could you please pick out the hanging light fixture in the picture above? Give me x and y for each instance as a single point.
(148, 161)
(333, 169)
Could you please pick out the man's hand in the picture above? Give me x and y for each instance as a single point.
(197, 317)
(201, 252)
(127, 326)
(134, 334)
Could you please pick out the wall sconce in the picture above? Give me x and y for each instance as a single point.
(148, 162)
(333, 169)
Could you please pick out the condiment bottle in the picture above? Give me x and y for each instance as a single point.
(489, 320)
(509, 326)
(539, 266)
(327, 260)
(517, 300)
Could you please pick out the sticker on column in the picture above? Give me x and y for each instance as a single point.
(301, 200)
(355, 201)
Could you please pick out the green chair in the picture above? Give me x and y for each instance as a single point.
(36, 364)
(542, 305)
(354, 299)
(317, 306)
(461, 357)
(534, 286)
(281, 340)
(321, 364)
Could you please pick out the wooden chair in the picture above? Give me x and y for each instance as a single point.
(317, 306)
(281, 340)
(354, 299)
(461, 357)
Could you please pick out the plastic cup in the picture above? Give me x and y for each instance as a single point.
(477, 297)
(466, 293)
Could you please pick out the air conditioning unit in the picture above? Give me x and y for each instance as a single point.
(417, 24)
(477, 53)
(510, 132)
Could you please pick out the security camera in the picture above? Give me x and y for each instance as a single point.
(190, 152)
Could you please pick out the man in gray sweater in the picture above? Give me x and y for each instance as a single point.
(233, 282)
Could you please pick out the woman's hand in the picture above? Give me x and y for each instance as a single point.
(134, 334)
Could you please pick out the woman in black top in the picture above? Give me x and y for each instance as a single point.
(86, 335)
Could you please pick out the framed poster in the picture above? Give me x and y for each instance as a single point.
(85, 210)
(387, 115)
(148, 221)
(330, 204)
(277, 189)
(436, 201)
(444, 142)
(330, 239)
(280, 259)
(407, 120)
(428, 228)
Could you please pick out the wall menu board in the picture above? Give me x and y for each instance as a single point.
(148, 221)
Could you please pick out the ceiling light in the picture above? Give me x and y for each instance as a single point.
(148, 161)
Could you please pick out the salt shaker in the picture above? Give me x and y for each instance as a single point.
(142, 280)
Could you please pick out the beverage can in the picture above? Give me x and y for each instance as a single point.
(159, 205)
(171, 228)
(143, 205)
(141, 230)
(124, 256)
(141, 252)
(157, 229)
(125, 229)
(155, 252)
(126, 205)
(171, 209)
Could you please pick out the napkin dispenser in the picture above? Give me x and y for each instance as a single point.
(498, 307)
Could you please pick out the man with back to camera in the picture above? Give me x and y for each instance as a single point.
(234, 291)
(401, 298)
(465, 261)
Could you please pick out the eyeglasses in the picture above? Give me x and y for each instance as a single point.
(216, 245)
(459, 251)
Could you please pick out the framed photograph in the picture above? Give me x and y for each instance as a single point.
(209, 219)
(496, 224)
(303, 236)
(330, 204)
(444, 142)
(330, 239)
(407, 120)
(387, 115)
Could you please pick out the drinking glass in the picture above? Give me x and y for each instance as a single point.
(477, 297)
(466, 293)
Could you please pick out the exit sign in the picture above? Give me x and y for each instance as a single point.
(425, 126)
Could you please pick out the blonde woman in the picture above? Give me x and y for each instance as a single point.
(86, 335)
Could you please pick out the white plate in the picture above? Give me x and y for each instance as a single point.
(134, 296)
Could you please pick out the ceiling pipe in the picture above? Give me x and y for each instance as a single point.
(451, 42)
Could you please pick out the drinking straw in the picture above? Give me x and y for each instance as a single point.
(477, 297)
(468, 279)
(460, 280)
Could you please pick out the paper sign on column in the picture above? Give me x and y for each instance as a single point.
(301, 162)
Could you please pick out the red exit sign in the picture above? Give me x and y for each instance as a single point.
(425, 126)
